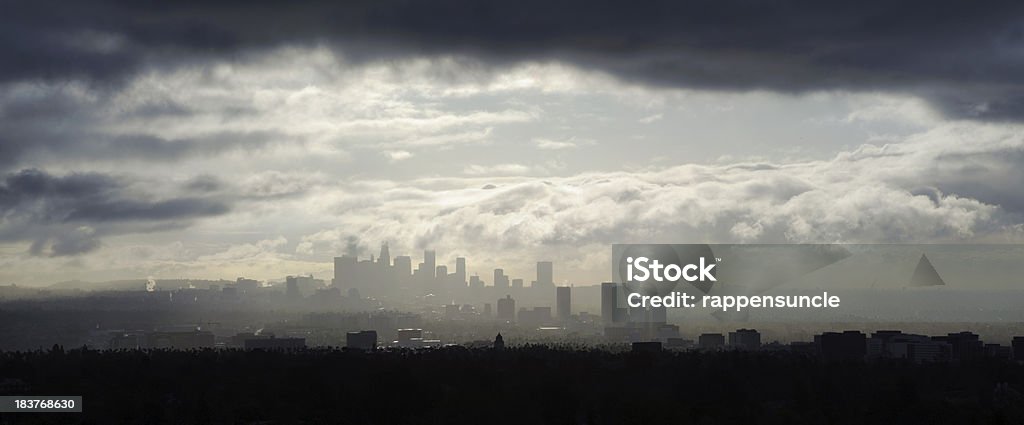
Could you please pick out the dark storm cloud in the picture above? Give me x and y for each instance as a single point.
(82, 142)
(204, 183)
(69, 214)
(91, 197)
(962, 56)
(124, 210)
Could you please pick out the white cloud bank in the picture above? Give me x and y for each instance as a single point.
(873, 194)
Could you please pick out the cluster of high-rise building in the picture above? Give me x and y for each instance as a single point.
(463, 294)
(383, 273)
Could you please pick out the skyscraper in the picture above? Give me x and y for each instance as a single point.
(500, 280)
(429, 263)
(545, 275)
(403, 268)
(460, 272)
(441, 275)
(385, 255)
(608, 303)
(563, 297)
(344, 268)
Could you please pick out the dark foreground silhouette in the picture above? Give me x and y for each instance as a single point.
(525, 385)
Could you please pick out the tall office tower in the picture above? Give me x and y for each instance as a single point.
(385, 255)
(563, 304)
(460, 272)
(403, 267)
(475, 282)
(517, 283)
(429, 263)
(441, 275)
(545, 275)
(506, 308)
(344, 268)
(608, 303)
(500, 280)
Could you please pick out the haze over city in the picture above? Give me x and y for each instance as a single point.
(523, 212)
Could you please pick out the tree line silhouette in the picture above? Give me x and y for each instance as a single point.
(516, 385)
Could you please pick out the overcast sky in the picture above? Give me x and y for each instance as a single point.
(226, 139)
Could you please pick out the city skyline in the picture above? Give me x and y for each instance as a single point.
(349, 271)
(512, 211)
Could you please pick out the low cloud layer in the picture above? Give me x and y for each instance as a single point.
(873, 194)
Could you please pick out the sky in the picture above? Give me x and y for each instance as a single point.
(224, 139)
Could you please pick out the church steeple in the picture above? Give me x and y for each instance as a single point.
(499, 342)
